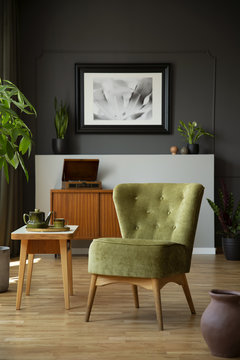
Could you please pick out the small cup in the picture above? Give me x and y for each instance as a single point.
(59, 223)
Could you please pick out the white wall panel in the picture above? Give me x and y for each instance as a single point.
(115, 169)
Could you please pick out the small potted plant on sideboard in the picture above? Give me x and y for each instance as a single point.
(59, 144)
(192, 132)
(229, 218)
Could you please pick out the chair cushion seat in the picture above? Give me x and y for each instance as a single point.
(142, 258)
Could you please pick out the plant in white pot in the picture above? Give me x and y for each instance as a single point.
(15, 142)
(192, 132)
(61, 124)
(229, 218)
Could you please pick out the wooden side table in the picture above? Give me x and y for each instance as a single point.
(44, 243)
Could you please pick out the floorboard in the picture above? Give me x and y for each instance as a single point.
(43, 329)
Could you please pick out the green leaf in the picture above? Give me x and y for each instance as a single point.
(1, 162)
(3, 144)
(23, 166)
(29, 149)
(6, 110)
(14, 162)
(214, 207)
(17, 132)
(21, 125)
(5, 168)
(10, 150)
(24, 145)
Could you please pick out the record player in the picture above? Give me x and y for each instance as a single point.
(80, 173)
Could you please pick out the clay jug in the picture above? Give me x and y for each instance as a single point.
(220, 323)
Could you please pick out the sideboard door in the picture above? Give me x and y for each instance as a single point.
(78, 208)
(109, 226)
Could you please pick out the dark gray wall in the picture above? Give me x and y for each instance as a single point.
(199, 38)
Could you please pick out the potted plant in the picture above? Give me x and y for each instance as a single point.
(61, 123)
(192, 132)
(229, 218)
(15, 141)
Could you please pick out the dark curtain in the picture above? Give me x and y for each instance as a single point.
(11, 207)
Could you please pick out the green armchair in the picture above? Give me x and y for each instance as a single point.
(158, 224)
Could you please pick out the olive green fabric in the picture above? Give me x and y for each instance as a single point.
(158, 224)
(137, 258)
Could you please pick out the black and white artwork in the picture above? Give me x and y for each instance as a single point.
(122, 98)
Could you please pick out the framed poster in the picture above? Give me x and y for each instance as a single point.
(122, 98)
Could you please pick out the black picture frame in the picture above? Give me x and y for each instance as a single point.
(122, 98)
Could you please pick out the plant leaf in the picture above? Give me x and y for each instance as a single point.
(24, 145)
(23, 166)
(10, 150)
(5, 168)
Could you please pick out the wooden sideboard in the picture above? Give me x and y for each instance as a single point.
(92, 210)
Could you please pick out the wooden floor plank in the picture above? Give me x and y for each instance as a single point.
(43, 329)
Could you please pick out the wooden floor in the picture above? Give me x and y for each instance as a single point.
(44, 330)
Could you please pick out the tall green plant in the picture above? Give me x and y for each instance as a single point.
(15, 136)
(61, 119)
(227, 214)
(192, 131)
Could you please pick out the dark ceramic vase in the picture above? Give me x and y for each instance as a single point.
(231, 248)
(59, 146)
(220, 323)
(193, 148)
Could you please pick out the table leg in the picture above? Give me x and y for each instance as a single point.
(64, 262)
(70, 277)
(29, 273)
(23, 257)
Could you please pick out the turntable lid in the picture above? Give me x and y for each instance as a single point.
(80, 169)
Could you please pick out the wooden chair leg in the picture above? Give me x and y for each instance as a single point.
(157, 298)
(135, 296)
(29, 273)
(91, 295)
(188, 294)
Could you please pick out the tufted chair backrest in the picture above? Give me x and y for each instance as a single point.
(159, 211)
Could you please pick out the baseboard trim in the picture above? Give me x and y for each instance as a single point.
(204, 251)
(199, 251)
(80, 251)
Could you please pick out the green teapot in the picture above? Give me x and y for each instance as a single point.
(36, 219)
